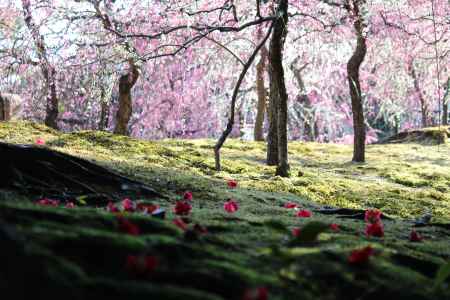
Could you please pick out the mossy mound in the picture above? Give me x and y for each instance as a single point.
(82, 252)
(428, 136)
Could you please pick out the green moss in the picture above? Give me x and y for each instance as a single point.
(86, 245)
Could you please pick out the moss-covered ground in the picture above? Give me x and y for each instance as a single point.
(81, 252)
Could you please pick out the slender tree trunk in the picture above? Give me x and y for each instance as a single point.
(445, 103)
(353, 66)
(278, 90)
(104, 110)
(261, 92)
(48, 71)
(272, 135)
(230, 122)
(423, 102)
(126, 83)
(262, 97)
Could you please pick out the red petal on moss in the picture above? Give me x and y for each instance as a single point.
(232, 184)
(415, 236)
(128, 227)
(180, 223)
(147, 208)
(182, 208)
(128, 205)
(304, 213)
(334, 227)
(47, 202)
(290, 205)
(111, 207)
(187, 196)
(372, 216)
(375, 229)
(260, 293)
(360, 256)
(296, 231)
(230, 206)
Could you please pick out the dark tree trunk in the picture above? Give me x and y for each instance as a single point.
(272, 135)
(52, 99)
(353, 66)
(278, 92)
(48, 71)
(104, 110)
(262, 97)
(445, 103)
(126, 83)
(423, 102)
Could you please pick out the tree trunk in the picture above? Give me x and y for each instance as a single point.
(104, 109)
(126, 83)
(48, 71)
(261, 92)
(353, 66)
(423, 103)
(272, 135)
(445, 103)
(278, 89)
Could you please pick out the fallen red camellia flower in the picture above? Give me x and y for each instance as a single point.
(147, 208)
(372, 216)
(128, 227)
(40, 141)
(182, 208)
(187, 196)
(415, 236)
(128, 205)
(48, 202)
(304, 213)
(296, 231)
(360, 256)
(230, 206)
(290, 205)
(232, 184)
(260, 293)
(111, 207)
(180, 223)
(70, 205)
(141, 265)
(375, 229)
(334, 227)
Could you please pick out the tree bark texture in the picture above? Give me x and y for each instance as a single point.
(262, 97)
(278, 89)
(445, 103)
(353, 67)
(126, 83)
(424, 109)
(104, 109)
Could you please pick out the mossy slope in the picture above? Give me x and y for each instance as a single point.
(82, 252)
